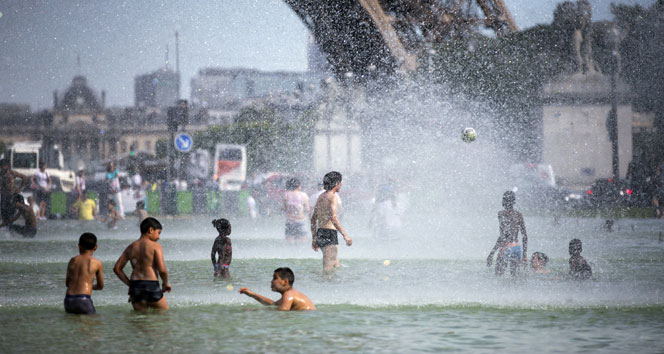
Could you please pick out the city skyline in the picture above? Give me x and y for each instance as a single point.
(42, 42)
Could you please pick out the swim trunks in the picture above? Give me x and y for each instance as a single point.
(513, 253)
(326, 237)
(79, 304)
(23, 230)
(296, 228)
(144, 291)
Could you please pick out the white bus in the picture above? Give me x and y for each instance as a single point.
(230, 166)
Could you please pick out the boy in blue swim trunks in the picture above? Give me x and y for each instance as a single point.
(507, 245)
(147, 260)
(81, 273)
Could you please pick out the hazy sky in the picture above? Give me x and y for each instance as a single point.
(117, 40)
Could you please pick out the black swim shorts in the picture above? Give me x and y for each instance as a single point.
(326, 237)
(296, 228)
(144, 291)
(79, 304)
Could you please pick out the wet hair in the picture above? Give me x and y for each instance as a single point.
(540, 257)
(293, 183)
(4, 162)
(222, 225)
(87, 241)
(18, 199)
(285, 273)
(148, 223)
(140, 204)
(331, 180)
(509, 198)
(575, 247)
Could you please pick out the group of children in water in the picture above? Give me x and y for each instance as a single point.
(147, 261)
(513, 254)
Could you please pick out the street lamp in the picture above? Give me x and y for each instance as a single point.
(612, 121)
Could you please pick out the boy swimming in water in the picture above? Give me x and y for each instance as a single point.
(147, 260)
(291, 299)
(508, 247)
(222, 246)
(81, 273)
(325, 223)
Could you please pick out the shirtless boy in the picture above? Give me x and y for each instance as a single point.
(147, 259)
(509, 249)
(296, 206)
(291, 299)
(81, 273)
(325, 223)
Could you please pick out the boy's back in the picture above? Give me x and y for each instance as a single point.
(81, 272)
(298, 301)
(142, 254)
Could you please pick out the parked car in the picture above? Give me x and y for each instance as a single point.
(609, 193)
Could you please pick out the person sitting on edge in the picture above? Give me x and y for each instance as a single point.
(140, 211)
(8, 188)
(509, 251)
(30, 227)
(222, 246)
(147, 260)
(113, 215)
(325, 223)
(579, 269)
(81, 273)
(538, 263)
(291, 299)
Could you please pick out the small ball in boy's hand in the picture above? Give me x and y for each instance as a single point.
(386, 262)
(229, 287)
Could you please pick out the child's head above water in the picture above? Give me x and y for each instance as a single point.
(575, 247)
(538, 260)
(148, 223)
(87, 241)
(223, 226)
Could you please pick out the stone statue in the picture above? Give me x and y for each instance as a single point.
(575, 20)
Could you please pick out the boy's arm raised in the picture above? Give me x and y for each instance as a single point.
(260, 298)
(161, 268)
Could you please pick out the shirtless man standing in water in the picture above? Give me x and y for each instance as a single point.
(325, 223)
(147, 260)
(508, 247)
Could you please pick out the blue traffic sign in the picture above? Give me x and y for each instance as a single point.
(183, 142)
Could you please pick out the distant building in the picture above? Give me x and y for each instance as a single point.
(230, 89)
(158, 89)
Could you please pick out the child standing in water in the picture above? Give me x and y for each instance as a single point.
(291, 299)
(222, 246)
(113, 215)
(579, 269)
(296, 206)
(325, 222)
(147, 263)
(81, 273)
(508, 247)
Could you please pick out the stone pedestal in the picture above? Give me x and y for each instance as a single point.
(575, 138)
